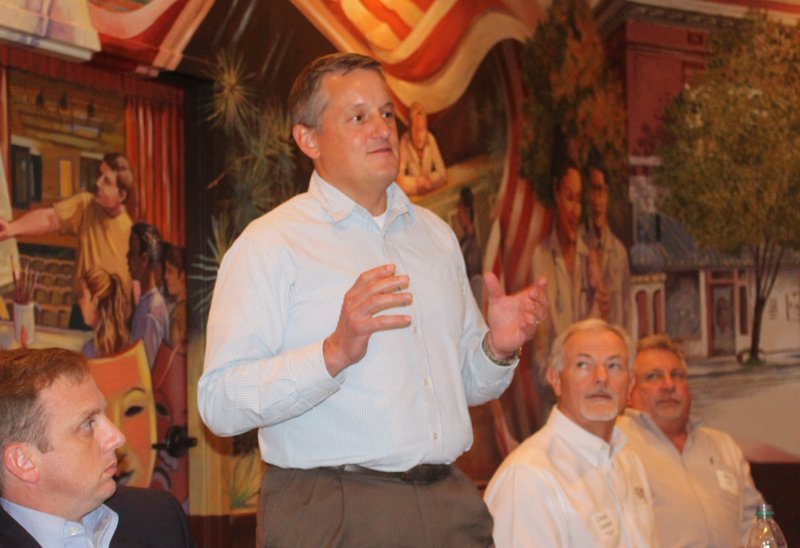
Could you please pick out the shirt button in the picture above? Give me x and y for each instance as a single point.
(425, 381)
(414, 329)
(435, 436)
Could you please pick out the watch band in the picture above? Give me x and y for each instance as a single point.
(494, 359)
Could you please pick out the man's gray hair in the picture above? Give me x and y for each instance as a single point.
(556, 360)
(660, 342)
(306, 100)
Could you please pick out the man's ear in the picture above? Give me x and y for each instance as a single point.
(306, 139)
(554, 380)
(19, 459)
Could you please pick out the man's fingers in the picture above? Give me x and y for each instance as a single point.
(385, 301)
(389, 321)
(493, 287)
(379, 279)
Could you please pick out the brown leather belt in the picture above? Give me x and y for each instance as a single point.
(421, 473)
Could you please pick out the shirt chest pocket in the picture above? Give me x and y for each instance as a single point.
(438, 295)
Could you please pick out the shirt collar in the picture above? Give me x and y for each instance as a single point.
(647, 421)
(98, 526)
(340, 206)
(592, 448)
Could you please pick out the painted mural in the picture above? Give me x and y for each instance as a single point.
(89, 269)
(471, 69)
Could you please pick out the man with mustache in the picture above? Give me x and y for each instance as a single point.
(703, 494)
(344, 328)
(57, 474)
(574, 482)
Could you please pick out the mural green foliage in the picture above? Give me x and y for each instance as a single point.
(571, 94)
(259, 164)
(731, 155)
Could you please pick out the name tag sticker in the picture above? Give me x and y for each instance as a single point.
(727, 482)
(605, 525)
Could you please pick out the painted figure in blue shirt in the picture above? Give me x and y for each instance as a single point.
(150, 320)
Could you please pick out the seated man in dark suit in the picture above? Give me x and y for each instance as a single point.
(59, 461)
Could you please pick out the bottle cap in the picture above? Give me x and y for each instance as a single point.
(764, 511)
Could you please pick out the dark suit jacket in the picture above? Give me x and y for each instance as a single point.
(147, 518)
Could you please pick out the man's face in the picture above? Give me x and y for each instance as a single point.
(106, 193)
(355, 145)
(661, 390)
(77, 474)
(594, 384)
(568, 204)
(598, 199)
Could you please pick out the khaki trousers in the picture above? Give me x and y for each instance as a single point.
(325, 507)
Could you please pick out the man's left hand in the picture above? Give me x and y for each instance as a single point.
(513, 318)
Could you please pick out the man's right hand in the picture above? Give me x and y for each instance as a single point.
(374, 290)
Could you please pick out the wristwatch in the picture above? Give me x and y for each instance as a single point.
(494, 359)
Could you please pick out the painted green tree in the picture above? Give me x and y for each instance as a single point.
(259, 163)
(573, 98)
(731, 155)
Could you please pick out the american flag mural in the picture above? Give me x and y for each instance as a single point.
(429, 49)
(153, 34)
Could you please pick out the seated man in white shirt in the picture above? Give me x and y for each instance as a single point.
(573, 483)
(703, 494)
(59, 461)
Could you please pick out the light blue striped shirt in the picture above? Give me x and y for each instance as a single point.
(94, 531)
(278, 295)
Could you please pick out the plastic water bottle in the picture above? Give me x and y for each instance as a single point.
(764, 532)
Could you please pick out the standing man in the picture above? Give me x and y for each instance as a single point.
(59, 462)
(343, 327)
(574, 483)
(703, 494)
(98, 218)
(614, 268)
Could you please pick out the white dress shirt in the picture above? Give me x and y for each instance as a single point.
(702, 497)
(94, 530)
(566, 487)
(278, 295)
